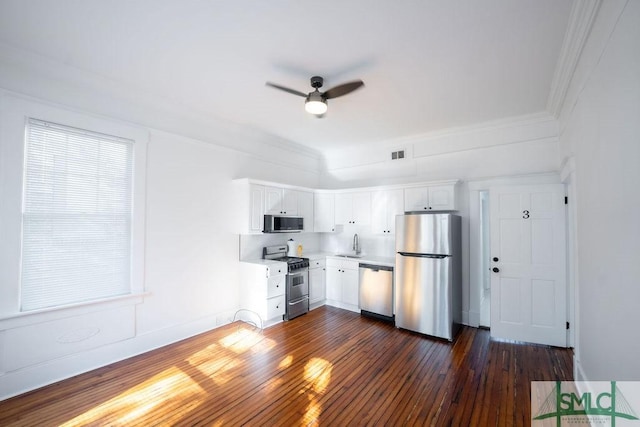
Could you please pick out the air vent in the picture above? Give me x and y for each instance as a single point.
(396, 155)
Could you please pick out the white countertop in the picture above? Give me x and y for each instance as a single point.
(366, 259)
(267, 262)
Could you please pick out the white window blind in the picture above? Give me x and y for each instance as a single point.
(77, 215)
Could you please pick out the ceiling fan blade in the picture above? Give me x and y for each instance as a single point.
(286, 89)
(343, 89)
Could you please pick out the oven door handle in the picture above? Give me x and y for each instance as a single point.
(298, 272)
(294, 302)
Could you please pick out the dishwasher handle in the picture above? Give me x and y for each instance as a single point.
(376, 267)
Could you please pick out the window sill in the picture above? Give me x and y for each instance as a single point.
(26, 318)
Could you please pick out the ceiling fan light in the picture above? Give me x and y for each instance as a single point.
(315, 107)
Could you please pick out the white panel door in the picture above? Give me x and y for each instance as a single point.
(528, 263)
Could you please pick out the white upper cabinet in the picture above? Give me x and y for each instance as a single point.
(436, 198)
(324, 213)
(322, 210)
(256, 207)
(353, 208)
(281, 201)
(305, 209)
(386, 204)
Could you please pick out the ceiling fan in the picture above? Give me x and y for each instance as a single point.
(316, 102)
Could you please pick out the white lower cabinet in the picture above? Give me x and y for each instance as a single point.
(342, 283)
(263, 290)
(317, 280)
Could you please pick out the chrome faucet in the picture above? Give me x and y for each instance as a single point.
(356, 244)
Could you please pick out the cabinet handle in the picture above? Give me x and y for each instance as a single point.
(495, 259)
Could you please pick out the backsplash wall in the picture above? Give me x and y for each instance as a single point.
(251, 244)
(370, 244)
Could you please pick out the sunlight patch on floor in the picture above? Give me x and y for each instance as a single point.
(286, 362)
(211, 363)
(171, 385)
(317, 372)
(244, 338)
(312, 413)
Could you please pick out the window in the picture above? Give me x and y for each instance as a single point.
(76, 217)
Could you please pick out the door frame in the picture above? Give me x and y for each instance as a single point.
(475, 242)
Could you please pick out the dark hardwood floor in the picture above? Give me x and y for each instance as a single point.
(330, 367)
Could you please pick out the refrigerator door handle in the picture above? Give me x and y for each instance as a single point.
(412, 254)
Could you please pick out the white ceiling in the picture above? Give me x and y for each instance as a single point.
(427, 65)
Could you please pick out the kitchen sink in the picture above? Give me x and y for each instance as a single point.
(351, 255)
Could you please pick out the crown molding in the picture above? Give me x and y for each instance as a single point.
(583, 13)
(489, 126)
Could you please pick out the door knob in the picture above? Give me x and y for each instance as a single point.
(495, 259)
(495, 270)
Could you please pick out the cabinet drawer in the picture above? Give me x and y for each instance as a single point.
(275, 307)
(277, 269)
(276, 286)
(317, 263)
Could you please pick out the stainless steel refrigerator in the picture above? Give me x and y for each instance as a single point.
(428, 274)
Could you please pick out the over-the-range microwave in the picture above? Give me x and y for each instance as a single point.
(282, 224)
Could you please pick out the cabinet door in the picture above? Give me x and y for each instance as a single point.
(323, 213)
(395, 207)
(361, 208)
(344, 208)
(273, 200)
(416, 199)
(305, 209)
(316, 284)
(334, 283)
(290, 202)
(256, 216)
(379, 223)
(441, 198)
(385, 206)
(350, 288)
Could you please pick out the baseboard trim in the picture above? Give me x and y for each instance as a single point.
(474, 318)
(578, 372)
(30, 378)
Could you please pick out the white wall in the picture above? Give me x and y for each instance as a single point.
(600, 129)
(514, 146)
(190, 257)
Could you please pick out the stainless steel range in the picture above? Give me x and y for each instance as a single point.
(297, 292)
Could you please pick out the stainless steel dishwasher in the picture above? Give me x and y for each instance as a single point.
(376, 291)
